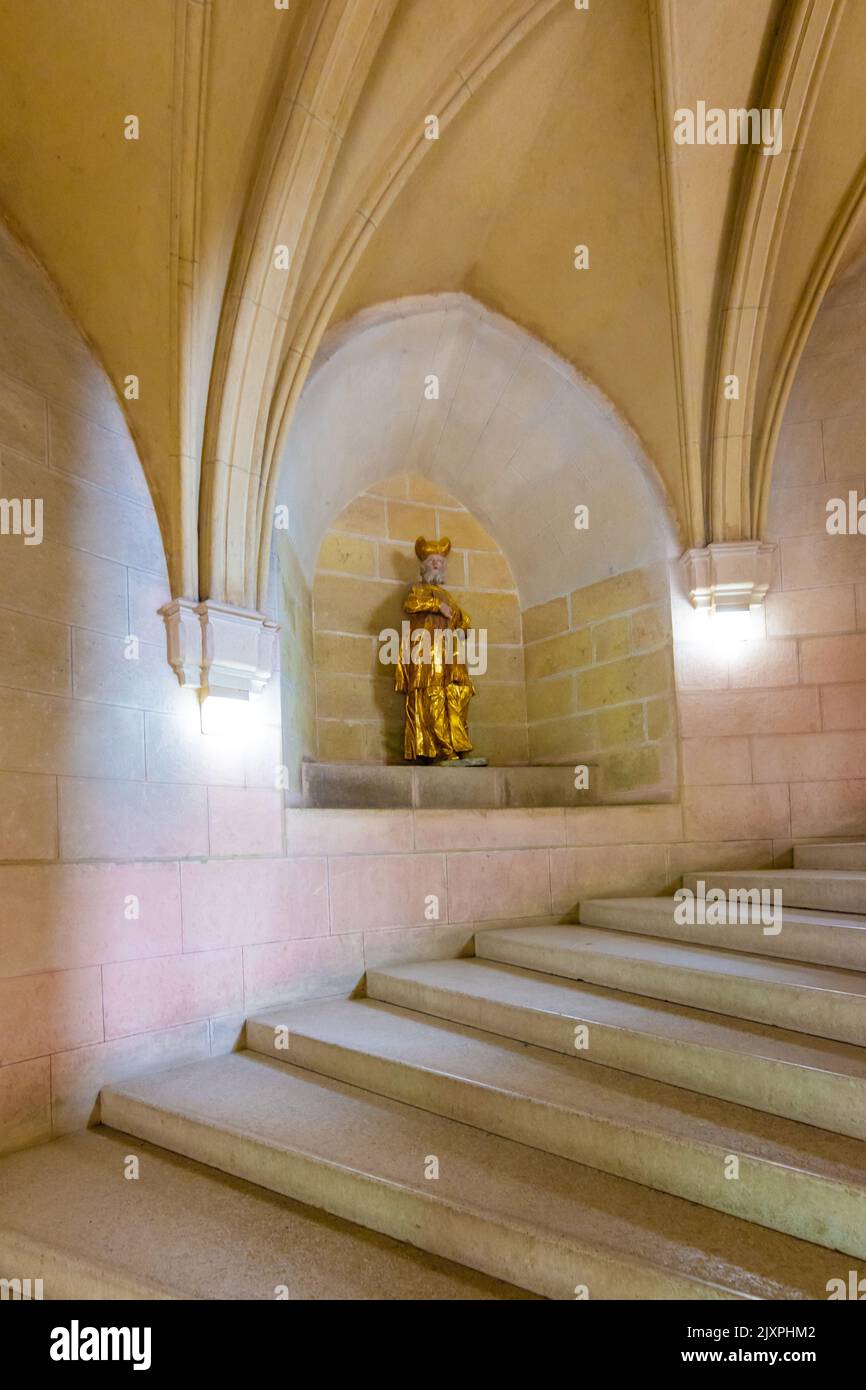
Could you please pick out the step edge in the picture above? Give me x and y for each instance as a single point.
(681, 965)
(635, 1032)
(586, 1113)
(487, 1214)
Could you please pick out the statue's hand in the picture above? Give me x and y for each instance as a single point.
(445, 610)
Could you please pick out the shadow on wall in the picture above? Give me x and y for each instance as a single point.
(106, 780)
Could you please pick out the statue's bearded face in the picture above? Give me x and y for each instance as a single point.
(433, 569)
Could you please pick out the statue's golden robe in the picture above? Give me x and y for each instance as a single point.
(437, 691)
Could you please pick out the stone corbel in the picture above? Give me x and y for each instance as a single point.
(729, 574)
(218, 649)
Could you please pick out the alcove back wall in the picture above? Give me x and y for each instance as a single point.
(366, 564)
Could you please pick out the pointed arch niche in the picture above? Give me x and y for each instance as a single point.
(436, 415)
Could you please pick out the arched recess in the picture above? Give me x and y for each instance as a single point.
(440, 388)
(267, 338)
(516, 434)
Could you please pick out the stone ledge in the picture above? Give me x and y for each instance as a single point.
(334, 786)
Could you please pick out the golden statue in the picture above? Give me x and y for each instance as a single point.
(432, 670)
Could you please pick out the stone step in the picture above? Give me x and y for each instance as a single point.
(847, 855)
(534, 1219)
(821, 938)
(837, 890)
(183, 1231)
(788, 994)
(820, 1082)
(340, 785)
(793, 1178)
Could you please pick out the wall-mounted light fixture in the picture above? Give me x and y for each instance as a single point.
(227, 654)
(728, 582)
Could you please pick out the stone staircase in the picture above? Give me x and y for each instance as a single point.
(627, 1107)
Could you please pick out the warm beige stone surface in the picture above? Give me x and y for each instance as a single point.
(545, 619)
(550, 699)
(618, 595)
(562, 741)
(242, 902)
(556, 654)
(49, 1013)
(245, 821)
(35, 653)
(488, 571)
(130, 820)
(625, 680)
(604, 672)
(75, 914)
(361, 719)
(579, 872)
(148, 996)
(77, 1076)
(807, 612)
(620, 825)
(372, 891)
(340, 652)
(25, 1104)
(726, 1057)
(623, 725)
(810, 999)
(101, 757)
(749, 712)
(494, 1205)
(28, 816)
(366, 514)
(713, 761)
(814, 937)
(843, 706)
(732, 812)
(286, 970)
(800, 1180)
(194, 1233)
(828, 808)
(349, 554)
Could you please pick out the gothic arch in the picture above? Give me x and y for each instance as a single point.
(517, 435)
(267, 340)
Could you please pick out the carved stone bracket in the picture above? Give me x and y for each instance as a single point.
(219, 649)
(729, 574)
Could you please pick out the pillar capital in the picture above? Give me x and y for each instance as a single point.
(219, 649)
(729, 574)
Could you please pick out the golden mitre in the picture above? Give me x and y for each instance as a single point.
(423, 548)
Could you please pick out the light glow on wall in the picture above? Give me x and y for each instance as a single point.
(726, 625)
(226, 714)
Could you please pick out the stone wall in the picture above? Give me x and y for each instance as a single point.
(113, 958)
(365, 565)
(599, 683)
(153, 888)
(774, 728)
(294, 608)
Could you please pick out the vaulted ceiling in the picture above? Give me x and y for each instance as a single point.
(263, 127)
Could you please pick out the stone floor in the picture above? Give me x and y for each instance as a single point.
(558, 1114)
